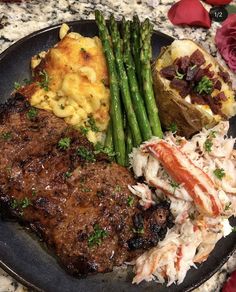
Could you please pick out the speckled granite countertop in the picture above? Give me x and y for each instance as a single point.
(19, 19)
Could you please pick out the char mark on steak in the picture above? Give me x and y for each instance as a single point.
(79, 204)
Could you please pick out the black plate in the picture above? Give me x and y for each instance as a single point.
(21, 254)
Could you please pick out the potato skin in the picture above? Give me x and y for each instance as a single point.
(189, 120)
(174, 109)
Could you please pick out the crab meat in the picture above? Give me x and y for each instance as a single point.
(196, 182)
(201, 200)
(143, 192)
(138, 160)
(170, 258)
(156, 259)
(212, 229)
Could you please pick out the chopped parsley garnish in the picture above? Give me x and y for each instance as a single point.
(17, 85)
(173, 128)
(208, 145)
(92, 125)
(86, 190)
(212, 134)
(20, 204)
(205, 86)
(26, 81)
(83, 50)
(97, 236)
(44, 83)
(219, 173)
(234, 229)
(86, 154)
(68, 174)
(32, 113)
(62, 106)
(99, 148)
(84, 130)
(117, 188)
(179, 75)
(174, 184)
(6, 136)
(130, 201)
(64, 143)
(14, 204)
(139, 230)
(25, 203)
(227, 206)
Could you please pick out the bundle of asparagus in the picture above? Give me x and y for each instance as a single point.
(133, 113)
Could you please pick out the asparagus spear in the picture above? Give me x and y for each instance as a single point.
(150, 102)
(124, 85)
(116, 115)
(145, 32)
(137, 99)
(109, 141)
(135, 39)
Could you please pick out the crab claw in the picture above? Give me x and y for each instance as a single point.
(196, 182)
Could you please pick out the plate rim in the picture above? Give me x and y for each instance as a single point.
(55, 26)
(7, 51)
(28, 284)
(18, 278)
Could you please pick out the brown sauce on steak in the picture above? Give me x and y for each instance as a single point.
(81, 207)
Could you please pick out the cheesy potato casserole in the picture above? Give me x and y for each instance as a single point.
(75, 83)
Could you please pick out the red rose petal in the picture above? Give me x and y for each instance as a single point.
(230, 285)
(218, 2)
(225, 53)
(232, 59)
(190, 12)
(227, 30)
(230, 20)
(225, 40)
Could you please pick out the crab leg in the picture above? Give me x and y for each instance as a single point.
(197, 183)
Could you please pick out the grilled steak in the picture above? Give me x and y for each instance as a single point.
(76, 200)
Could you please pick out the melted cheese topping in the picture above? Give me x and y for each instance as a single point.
(77, 73)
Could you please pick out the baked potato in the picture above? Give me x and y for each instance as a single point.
(192, 90)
